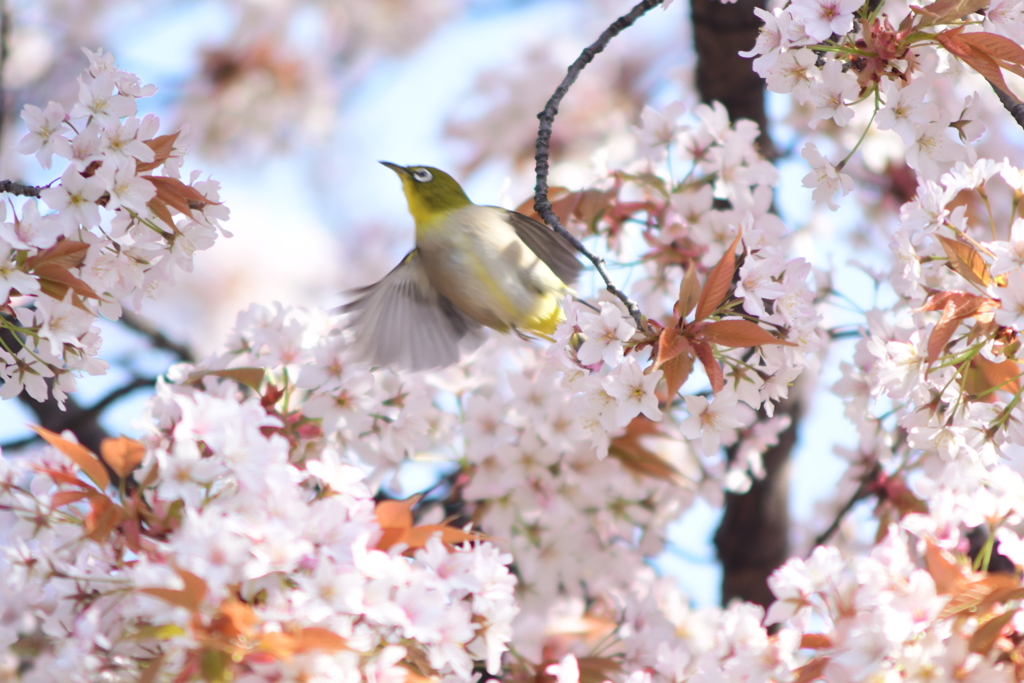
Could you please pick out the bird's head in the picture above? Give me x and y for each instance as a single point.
(431, 193)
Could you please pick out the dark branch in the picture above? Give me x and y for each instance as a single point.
(1015, 108)
(864, 490)
(77, 418)
(157, 338)
(541, 203)
(13, 187)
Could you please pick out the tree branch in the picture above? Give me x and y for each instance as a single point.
(862, 492)
(1015, 108)
(541, 203)
(14, 187)
(156, 338)
(81, 421)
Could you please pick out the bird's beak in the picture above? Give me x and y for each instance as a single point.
(400, 170)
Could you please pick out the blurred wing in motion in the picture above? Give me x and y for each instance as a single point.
(403, 320)
(549, 246)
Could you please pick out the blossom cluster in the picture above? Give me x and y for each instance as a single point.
(753, 338)
(529, 473)
(899, 67)
(221, 551)
(121, 223)
(946, 359)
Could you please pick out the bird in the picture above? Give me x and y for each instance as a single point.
(472, 267)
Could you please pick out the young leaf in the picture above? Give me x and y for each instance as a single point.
(815, 641)
(61, 280)
(1003, 376)
(945, 11)
(994, 46)
(943, 331)
(79, 454)
(711, 366)
(317, 638)
(987, 634)
(177, 194)
(162, 147)
(189, 597)
(947, 573)
(65, 254)
(689, 291)
(677, 371)
(250, 377)
(966, 261)
(630, 450)
(718, 283)
(980, 61)
(122, 454)
(670, 345)
(739, 333)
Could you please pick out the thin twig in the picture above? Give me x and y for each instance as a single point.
(14, 187)
(1015, 108)
(863, 491)
(157, 338)
(541, 203)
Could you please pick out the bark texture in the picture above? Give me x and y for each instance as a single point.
(753, 538)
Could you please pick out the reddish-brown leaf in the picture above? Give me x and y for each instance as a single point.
(978, 58)
(689, 291)
(989, 68)
(947, 573)
(62, 277)
(65, 253)
(152, 669)
(811, 671)
(395, 514)
(104, 516)
(994, 46)
(739, 333)
(62, 498)
(978, 594)
(79, 454)
(122, 454)
(250, 377)
(418, 536)
(963, 300)
(815, 641)
(189, 597)
(677, 371)
(161, 211)
(966, 261)
(177, 194)
(316, 638)
(945, 11)
(163, 147)
(718, 283)
(943, 331)
(670, 345)
(987, 634)
(631, 452)
(711, 366)
(1003, 376)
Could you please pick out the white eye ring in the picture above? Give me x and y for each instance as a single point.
(422, 175)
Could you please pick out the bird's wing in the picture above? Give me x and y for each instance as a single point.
(549, 246)
(403, 320)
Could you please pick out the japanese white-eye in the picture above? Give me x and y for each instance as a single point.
(472, 266)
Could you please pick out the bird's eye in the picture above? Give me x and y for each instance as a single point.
(422, 175)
